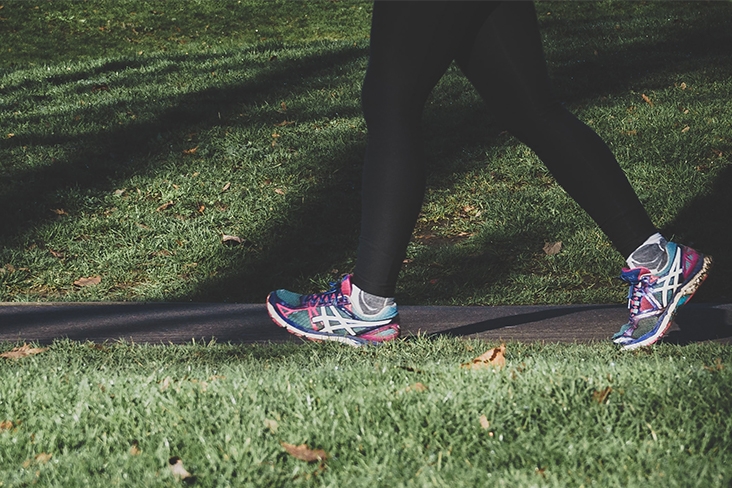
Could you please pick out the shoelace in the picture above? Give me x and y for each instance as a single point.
(635, 293)
(333, 295)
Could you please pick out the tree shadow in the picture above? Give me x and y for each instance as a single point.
(705, 225)
(104, 159)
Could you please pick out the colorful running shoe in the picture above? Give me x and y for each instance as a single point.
(329, 316)
(653, 300)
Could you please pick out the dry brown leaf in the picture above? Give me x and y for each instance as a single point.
(43, 457)
(165, 383)
(135, 449)
(231, 239)
(165, 206)
(191, 150)
(90, 281)
(601, 395)
(279, 191)
(6, 425)
(718, 366)
(56, 254)
(685, 129)
(418, 387)
(552, 248)
(484, 422)
(646, 99)
(176, 467)
(59, 211)
(284, 123)
(492, 358)
(226, 187)
(304, 453)
(119, 193)
(272, 425)
(23, 351)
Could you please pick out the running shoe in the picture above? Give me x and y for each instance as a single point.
(329, 316)
(653, 300)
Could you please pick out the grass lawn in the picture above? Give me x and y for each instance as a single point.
(406, 414)
(135, 135)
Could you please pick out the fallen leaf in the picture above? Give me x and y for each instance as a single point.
(279, 191)
(718, 366)
(231, 239)
(284, 123)
(176, 467)
(135, 449)
(552, 248)
(43, 457)
(201, 209)
(165, 383)
(56, 254)
(418, 387)
(165, 206)
(23, 351)
(484, 422)
(59, 211)
(272, 425)
(601, 395)
(682, 86)
(119, 193)
(6, 425)
(646, 99)
(226, 187)
(283, 107)
(685, 129)
(304, 453)
(190, 151)
(492, 358)
(90, 281)
(10, 135)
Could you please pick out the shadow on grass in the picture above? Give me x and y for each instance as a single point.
(705, 224)
(305, 243)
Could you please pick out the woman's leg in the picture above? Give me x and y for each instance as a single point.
(412, 45)
(506, 65)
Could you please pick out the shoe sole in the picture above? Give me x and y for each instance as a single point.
(682, 298)
(314, 336)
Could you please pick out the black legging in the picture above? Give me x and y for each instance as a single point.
(498, 48)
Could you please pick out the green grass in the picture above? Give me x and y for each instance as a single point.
(246, 116)
(225, 410)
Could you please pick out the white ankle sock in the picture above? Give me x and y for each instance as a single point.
(365, 304)
(651, 254)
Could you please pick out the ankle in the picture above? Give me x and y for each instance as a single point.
(651, 254)
(367, 305)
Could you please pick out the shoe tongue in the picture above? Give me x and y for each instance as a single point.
(346, 286)
(633, 275)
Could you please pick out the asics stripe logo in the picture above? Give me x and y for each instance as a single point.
(675, 278)
(334, 321)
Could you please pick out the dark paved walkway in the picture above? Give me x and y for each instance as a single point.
(243, 323)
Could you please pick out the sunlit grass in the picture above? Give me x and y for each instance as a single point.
(406, 414)
(129, 156)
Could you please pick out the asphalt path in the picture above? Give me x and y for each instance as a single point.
(164, 323)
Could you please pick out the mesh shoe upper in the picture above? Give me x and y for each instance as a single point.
(654, 299)
(330, 316)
